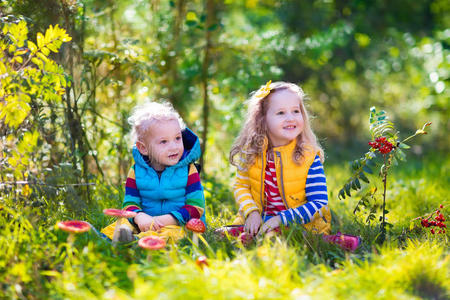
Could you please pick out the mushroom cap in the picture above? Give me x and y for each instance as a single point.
(74, 226)
(196, 225)
(152, 242)
(202, 261)
(119, 213)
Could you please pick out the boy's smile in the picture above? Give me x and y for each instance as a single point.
(163, 144)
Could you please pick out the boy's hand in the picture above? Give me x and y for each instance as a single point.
(253, 223)
(165, 220)
(146, 222)
(271, 224)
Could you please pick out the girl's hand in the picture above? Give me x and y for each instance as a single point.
(253, 223)
(271, 224)
(146, 222)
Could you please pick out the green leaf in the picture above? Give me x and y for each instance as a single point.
(367, 169)
(52, 47)
(42, 56)
(404, 146)
(191, 16)
(370, 163)
(341, 194)
(40, 40)
(2, 68)
(37, 62)
(19, 59)
(347, 189)
(12, 48)
(356, 164)
(394, 160)
(390, 134)
(401, 155)
(363, 177)
(45, 51)
(32, 46)
(213, 27)
(358, 184)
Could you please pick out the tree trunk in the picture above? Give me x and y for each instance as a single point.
(211, 19)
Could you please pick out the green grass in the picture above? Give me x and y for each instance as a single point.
(37, 263)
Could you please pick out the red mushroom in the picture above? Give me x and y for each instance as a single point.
(73, 227)
(197, 227)
(202, 262)
(120, 215)
(151, 242)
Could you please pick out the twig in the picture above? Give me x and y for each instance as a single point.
(23, 182)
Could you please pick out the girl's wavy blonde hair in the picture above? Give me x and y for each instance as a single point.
(144, 116)
(253, 136)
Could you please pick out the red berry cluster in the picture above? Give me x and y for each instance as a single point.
(382, 145)
(438, 221)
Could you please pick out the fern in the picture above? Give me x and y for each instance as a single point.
(380, 124)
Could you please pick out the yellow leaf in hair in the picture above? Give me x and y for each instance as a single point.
(264, 91)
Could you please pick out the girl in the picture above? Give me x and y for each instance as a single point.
(280, 178)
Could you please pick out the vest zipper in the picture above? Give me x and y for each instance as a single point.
(282, 182)
(262, 186)
(162, 204)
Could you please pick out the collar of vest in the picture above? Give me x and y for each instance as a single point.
(288, 149)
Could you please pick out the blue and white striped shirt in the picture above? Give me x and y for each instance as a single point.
(316, 197)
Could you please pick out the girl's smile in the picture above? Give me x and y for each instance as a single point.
(290, 127)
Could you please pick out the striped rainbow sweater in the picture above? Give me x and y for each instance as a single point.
(193, 208)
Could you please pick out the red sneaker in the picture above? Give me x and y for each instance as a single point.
(233, 230)
(345, 241)
(246, 238)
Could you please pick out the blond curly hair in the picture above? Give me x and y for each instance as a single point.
(253, 136)
(143, 117)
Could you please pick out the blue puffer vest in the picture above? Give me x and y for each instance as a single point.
(163, 195)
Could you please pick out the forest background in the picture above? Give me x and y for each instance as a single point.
(69, 156)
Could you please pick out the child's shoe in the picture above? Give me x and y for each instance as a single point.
(125, 235)
(246, 238)
(233, 230)
(345, 241)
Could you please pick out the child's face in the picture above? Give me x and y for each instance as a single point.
(284, 117)
(163, 144)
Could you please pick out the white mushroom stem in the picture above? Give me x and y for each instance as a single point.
(71, 238)
(117, 230)
(195, 238)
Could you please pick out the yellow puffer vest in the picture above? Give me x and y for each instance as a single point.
(291, 178)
